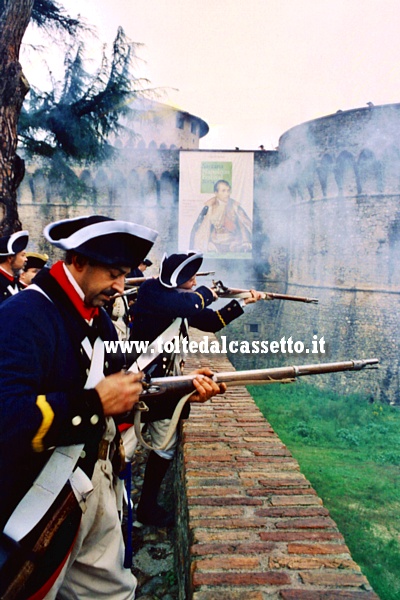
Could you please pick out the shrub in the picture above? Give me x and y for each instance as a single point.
(388, 458)
(347, 436)
(304, 430)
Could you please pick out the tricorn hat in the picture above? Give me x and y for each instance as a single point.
(179, 268)
(147, 262)
(14, 243)
(102, 239)
(35, 260)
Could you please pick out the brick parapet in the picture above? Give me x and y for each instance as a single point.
(250, 525)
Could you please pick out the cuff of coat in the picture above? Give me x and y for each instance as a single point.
(230, 312)
(87, 411)
(83, 420)
(206, 295)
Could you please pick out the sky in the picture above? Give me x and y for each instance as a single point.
(252, 69)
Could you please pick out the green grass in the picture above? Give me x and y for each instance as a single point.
(349, 450)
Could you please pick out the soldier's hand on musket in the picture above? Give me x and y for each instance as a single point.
(255, 297)
(205, 386)
(214, 293)
(216, 289)
(119, 392)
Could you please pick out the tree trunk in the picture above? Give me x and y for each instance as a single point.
(14, 19)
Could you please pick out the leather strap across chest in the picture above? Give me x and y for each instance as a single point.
(61, 465)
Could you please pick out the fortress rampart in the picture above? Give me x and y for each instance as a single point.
(326, 224)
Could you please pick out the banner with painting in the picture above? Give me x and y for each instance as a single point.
(216, 203)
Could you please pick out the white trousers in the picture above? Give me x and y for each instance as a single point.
(94, 569)
(158, 431)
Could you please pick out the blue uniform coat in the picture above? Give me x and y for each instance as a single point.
(158, 306)
(41, 356)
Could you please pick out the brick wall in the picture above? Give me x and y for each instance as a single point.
(250, 525)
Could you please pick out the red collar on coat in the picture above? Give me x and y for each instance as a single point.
(7, 275)
(87, 312)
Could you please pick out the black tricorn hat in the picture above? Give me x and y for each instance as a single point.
(14, 243)
(147, 262)
(179, 268)
(35, 260)
(102, 239)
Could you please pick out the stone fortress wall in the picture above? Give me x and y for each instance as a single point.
(343, 238)
(326, 224)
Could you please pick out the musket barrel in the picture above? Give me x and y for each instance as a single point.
(263, 375)
(132, 290)
(135, 280)
(240, 293)
(273, 296)
(140, 280)
(184, 383)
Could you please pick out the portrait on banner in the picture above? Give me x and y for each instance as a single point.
(216, 203)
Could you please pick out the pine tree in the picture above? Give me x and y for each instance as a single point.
(14, 19)
(15, 16)
(71, 124)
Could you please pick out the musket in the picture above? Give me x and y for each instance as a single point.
(224, 292)
(183, 384)
(132, 283)
(127, 292)
(135, 280)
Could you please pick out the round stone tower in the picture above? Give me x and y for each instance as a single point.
(342, 173)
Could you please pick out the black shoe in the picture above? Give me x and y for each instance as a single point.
(156, 516)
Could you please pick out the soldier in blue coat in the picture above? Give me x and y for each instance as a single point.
(139, 271)
(59, 389)
(166, 307)
(12, 261)
(34, 262)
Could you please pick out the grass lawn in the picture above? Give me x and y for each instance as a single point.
(349, 450)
